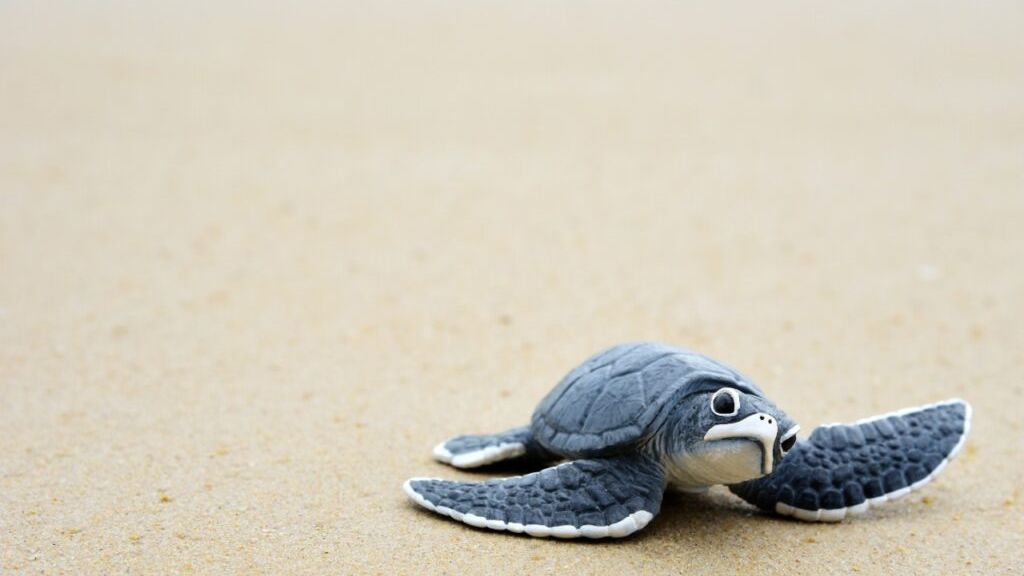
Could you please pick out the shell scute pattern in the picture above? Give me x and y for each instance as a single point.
(612, 399)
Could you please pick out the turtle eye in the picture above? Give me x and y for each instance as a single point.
(788, 444)
(725, 402)
(789, 440)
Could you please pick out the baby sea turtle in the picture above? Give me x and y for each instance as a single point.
(635, 418)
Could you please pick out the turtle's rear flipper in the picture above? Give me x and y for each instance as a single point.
(845, 469)
(611, 497)
(472, 451)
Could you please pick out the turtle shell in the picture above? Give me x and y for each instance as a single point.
(619, 397)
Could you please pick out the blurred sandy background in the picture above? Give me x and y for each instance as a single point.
(256, 259)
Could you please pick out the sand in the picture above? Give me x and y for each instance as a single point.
(256, 260)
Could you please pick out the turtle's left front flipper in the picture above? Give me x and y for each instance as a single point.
(598, 498)
(845, 469)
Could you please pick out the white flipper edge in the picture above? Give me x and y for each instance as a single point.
(482, 457)
(835, 515)
(628, 525)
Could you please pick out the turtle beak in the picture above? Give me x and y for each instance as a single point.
(760, 428)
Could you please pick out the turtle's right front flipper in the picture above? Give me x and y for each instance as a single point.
(845, 469)
(599, 498)
(472, 450)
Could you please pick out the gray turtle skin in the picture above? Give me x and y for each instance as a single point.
(638, 417)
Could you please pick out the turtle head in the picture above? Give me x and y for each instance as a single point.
(726, 433)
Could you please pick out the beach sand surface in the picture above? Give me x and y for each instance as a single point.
(257, 258)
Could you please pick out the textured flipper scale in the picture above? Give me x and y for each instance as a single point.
(845, 469)
(513, 446)
(599, 498)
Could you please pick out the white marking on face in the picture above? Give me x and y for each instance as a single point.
(761, 428)
(711, 463)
